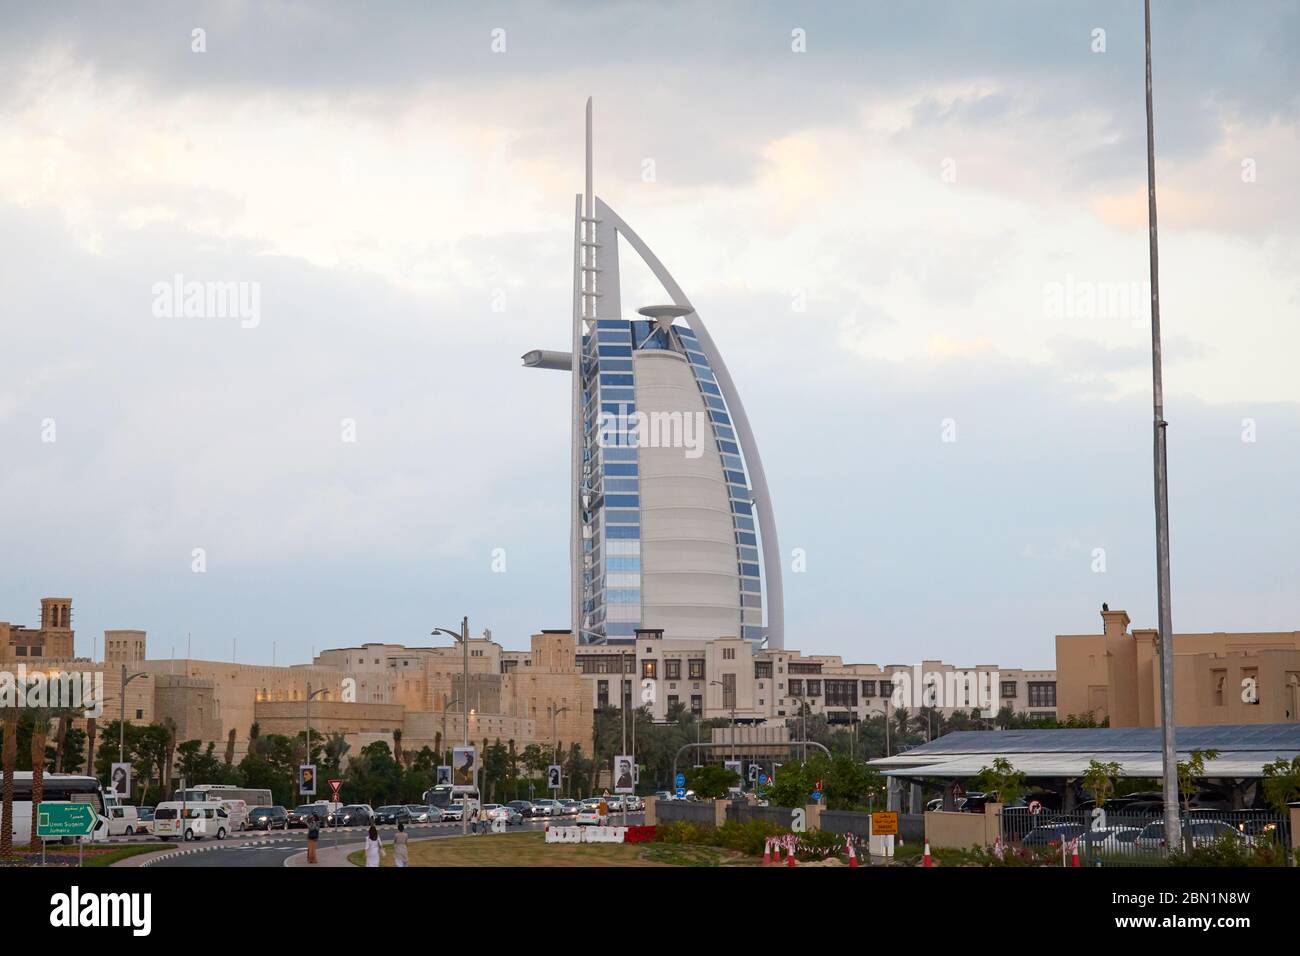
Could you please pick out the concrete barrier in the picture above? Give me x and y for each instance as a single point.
(961, 831)
(585, 834)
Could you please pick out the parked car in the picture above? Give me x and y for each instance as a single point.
(144, 820)
(498, 811)
(191, 820)
(392, 814)
(934, 806)
(268, 818)
(420, 814)
(1108, 838)
(352, 815)
(123, 820)
(1053, 834)
(545, 807)
(589, 815)
(1200, 832)
(304, 815)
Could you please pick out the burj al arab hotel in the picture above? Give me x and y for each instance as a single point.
(666, 534)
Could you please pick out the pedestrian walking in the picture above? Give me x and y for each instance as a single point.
(473, 821)
(399, 846)
(313, 834)
(372, 846)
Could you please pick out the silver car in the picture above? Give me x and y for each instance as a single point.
(421, 814)
(498, 811)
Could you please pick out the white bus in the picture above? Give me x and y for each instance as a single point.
(73, 788)
(220, 791)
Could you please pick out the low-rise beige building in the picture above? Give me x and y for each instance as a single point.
(1219, 678)
(52, 640)
(732, 678)
(367, 692)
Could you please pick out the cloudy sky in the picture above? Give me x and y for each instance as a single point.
(902, 222)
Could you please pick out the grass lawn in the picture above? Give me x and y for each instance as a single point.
(532, 850)
(59, 855)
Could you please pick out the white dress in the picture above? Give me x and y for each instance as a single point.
(372, 852)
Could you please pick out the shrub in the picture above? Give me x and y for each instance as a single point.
(682, 831)
(819, 844)
(748, 838)
(1229, 850)
(1013, 855)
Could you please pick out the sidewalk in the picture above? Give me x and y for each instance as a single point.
(337, 855)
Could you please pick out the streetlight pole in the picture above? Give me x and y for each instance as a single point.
(463, 637)
(555, 740)
(803, 726)
(310, 694)
(121, 723)
(1159, 426)
(719, 683)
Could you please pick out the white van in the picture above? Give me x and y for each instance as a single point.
(237, 810)
(123, 820)
(208, 818)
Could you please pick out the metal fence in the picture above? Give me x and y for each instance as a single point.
(744, 813)
(1138, 839)
(685, 811)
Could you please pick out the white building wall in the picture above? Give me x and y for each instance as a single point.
(690, 582)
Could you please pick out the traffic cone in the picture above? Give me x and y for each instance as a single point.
(1074, 848)
(789, 859)
(853, 856)
(925, 858)
(767, 853)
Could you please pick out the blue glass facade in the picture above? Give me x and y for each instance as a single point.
(610, 501)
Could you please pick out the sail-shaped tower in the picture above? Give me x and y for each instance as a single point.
(672, 525)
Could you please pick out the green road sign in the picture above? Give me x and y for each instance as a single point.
(65, 820)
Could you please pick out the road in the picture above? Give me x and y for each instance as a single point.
(247, 851)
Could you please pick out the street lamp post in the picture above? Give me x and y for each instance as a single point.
(310, 694)
(121, 724)
(1169, 757)
(463, 637)
(555, 741)
(732, 708)
(803, 726)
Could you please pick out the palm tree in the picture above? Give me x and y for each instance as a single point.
(60, 738)
(169, 755)
(901, 721)
(230, 747)
(91, 726)
(8, 760)
(40, 730)
(397, 749)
